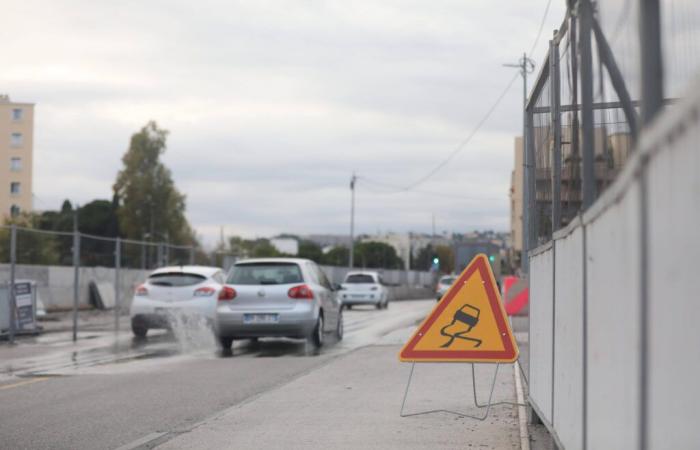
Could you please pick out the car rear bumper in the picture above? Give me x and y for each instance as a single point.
(361, 299)
(298, 322)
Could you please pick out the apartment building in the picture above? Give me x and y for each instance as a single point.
(16, 156)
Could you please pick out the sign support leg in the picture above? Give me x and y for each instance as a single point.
(476, 401)
(471, 416)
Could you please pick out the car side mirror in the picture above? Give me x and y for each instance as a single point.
(337, 287)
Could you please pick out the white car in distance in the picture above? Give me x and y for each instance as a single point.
(173, 292)
(364, 288)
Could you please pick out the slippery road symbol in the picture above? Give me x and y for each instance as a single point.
(464, 320)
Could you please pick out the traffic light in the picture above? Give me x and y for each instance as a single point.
(436, 264)
(492, 258)
(436, 260)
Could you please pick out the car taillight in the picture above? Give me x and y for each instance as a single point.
(204, 292)
(301, 292)
(227, 293)
(141, 290)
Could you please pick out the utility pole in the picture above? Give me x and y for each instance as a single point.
(352, 221)
(526, 65)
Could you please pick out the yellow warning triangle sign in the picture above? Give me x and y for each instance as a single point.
(469, 324)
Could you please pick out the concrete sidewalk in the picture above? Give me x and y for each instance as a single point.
(354, 401)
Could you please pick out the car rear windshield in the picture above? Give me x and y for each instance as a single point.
(360, 278)
(176, 279)
(448, 280)
(265, 273)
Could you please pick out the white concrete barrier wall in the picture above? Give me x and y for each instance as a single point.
(55, 283)
(612, 265)
(637, 246)
(674, 303)
(541, 331)
(568, 337)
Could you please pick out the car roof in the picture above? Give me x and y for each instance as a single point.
(206, 271)
(273, 260)
(364, 272)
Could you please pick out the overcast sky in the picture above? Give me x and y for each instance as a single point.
(272, 105)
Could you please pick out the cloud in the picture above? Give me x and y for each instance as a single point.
(273, 104)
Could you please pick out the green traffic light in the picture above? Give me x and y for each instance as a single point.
(492, 258)
(436, 260)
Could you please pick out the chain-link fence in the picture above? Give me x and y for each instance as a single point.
(77, 271)
(581, 121)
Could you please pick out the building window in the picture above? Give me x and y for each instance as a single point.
(16, 164)
(14, 188)
(16, 139)
(14, 211)
(17, 114)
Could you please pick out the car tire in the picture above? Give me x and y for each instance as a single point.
(139, 330)
(226, 343)
(339, 329)
(380, 305)
(316, 337)
(348, 306)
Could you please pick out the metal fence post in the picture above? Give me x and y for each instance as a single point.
(531, 186)
(588, 151)
(11, 293)
(651, 59)
(159, 255)
(192, 256)
(555, 95)
(117, 282)
(76, 273)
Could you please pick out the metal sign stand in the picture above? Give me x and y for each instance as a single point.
(476, 401)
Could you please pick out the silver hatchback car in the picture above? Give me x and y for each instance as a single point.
(277, 297)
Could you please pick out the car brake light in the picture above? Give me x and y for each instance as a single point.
(227, 293)
(205, 291)
(141, 290)
(301, 292)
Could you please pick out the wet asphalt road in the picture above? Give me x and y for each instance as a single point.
(105, 393)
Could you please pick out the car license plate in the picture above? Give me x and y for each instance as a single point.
(260, 318)
(357, 296)
(165, 311)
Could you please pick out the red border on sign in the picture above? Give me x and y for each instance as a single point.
(508, 352)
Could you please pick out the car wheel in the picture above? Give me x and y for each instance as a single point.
(386, 304)
(226, 342)
(348, 306)
(380, 305)
(139, 330)
(339, 328)
(317, 335)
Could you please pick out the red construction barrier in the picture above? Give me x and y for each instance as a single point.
(516, 295)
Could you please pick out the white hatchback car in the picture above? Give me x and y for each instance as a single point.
(170, 292)
(364, 288)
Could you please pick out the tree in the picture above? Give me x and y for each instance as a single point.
(32, 247)
(337, 256)
(149, 203)
(377, 255)
(310, 250)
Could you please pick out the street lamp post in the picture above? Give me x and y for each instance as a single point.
(351, 260)
(526, 65)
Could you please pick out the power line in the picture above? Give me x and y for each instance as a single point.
(539, 32)
(462, 144)
(398, 189)
(482, 121)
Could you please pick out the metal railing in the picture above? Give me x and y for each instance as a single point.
(581, 125)
(74, 270)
